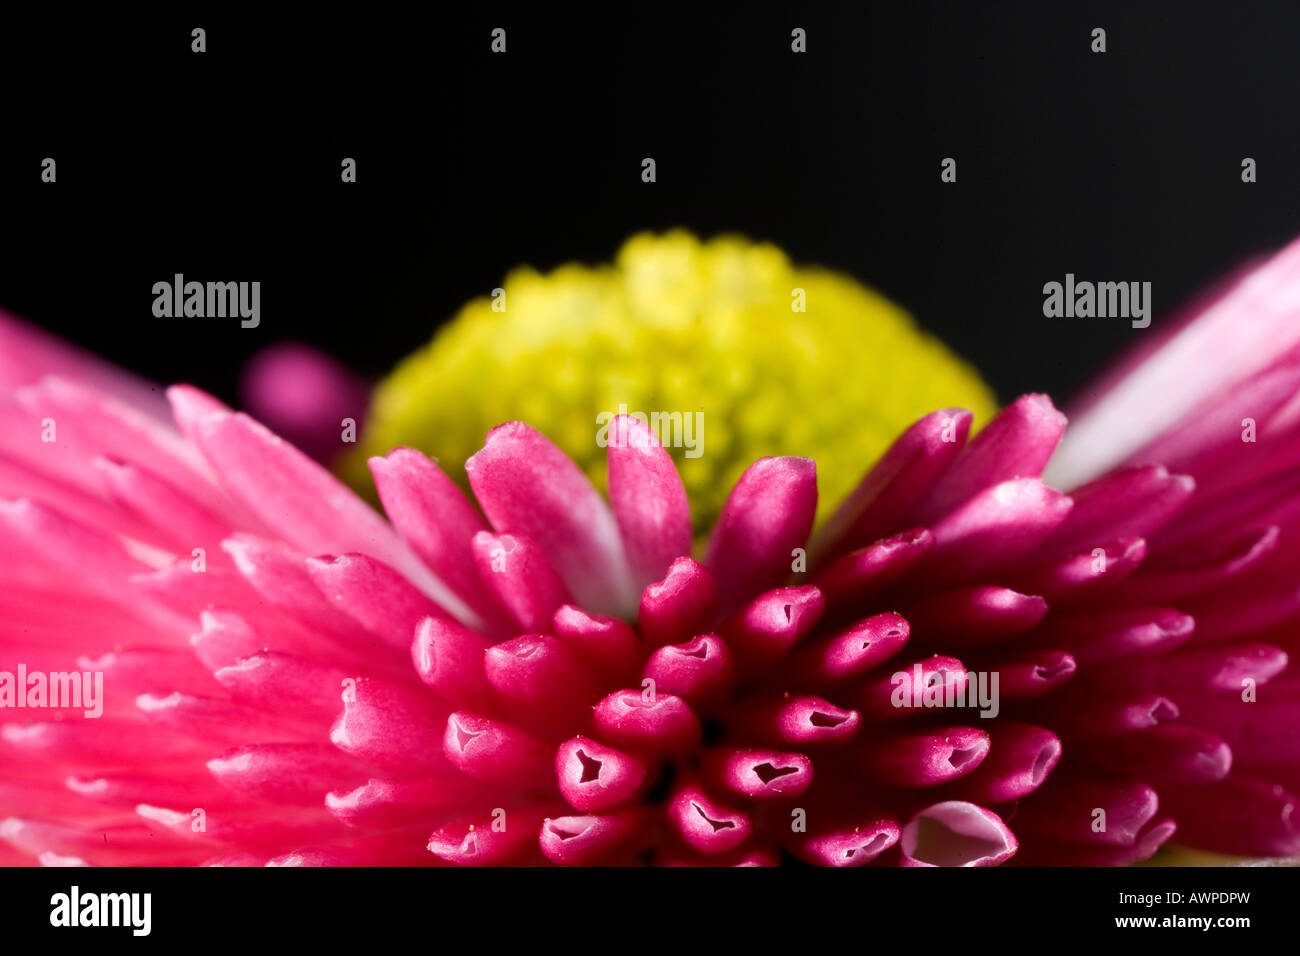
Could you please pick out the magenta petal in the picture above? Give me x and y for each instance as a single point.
(1225, 340)
(705, 824)
(449, 658)
(593, 777)
(921, 758)
(996, 528)
(304, 504)
(1065, 811)
(1144, 846)
(526, 485)
(1016, 444)
(541, 681)
(847, 653)
(1241, 815)
(767, 515)
(647, 722)
(956, 833)
(1191, 673)
(436, 520)
(1073, 577)
(1111, 635)
(516, 572)
(1260, 730)
(699, 671)
(757, 774)
(1030, 675)
(608, 647)
(286, 773)
(488, 837)
(762, 632)
(1130, 503)
(898, 691)
(590, 839)
(494, 751)
(682, 605)
(1022, 756)
(794, 720)
(852, 582)
(1205, 567)
(372, 594)
(1214, 429)
(648, 499)
(390, 725)
(1086, 715)
(1166, 754)
(894, 484)
(974, 615)
(842, 835)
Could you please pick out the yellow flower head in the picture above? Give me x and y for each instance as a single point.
(776, 359)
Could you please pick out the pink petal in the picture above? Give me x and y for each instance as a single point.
(391, 725)
(883, 498)
(449, 658)
(847, 653)
(1022, 756)
(787, 720)
(593, 777)
(590, 839)
(541, 681)
(761, 633)
(767, 515)
(680, 606)
(705, 824)
(648, 500)
(372, 594)
(304, 504)
(956, 833)
(609, 647)
(922, 758)
(852, 582)
(1016, 444)
(516, 572)
(976, 615)
(1226, 341)
(654, 724)
(1240, 815)
(434, 517)
(699, 671)
(757, 774)
(526, 485)
(996, 528)
(497, 752)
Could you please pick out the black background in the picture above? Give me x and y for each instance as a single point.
(225, 165)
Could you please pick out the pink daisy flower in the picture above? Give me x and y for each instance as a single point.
(544, 675)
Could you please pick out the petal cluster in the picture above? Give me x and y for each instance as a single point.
(961, 666)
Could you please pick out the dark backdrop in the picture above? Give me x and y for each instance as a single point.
(225, 165)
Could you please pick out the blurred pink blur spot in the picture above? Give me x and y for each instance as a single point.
(306, 396)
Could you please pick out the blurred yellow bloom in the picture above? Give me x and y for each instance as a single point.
(678, 325)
